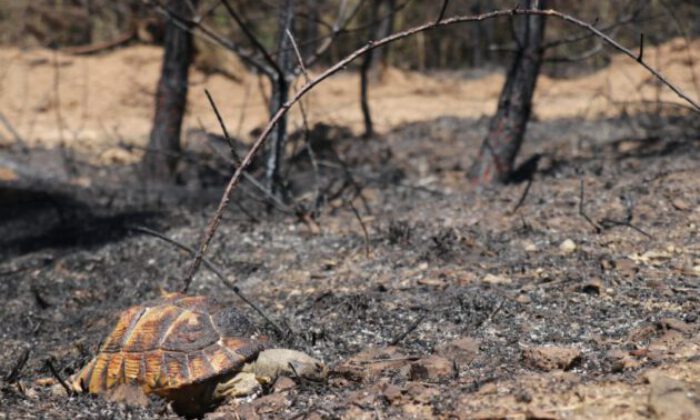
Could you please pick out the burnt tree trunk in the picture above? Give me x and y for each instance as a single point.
(380, 59)
(163, 151)
(372, 32)
(311, 33)
(507, 127)
(280, 95)
(375, 60)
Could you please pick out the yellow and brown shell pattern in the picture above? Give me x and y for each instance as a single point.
(171, 343)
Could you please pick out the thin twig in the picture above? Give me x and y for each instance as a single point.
(605, 222)
(58, 377)
(368, 249)
(244, 106)
(523, 196)
(493, 313)
(213, 224)
(443, 9)
(640, 57)
(14, 374)
(409, 330)
(18, 138)
(298, 54)
(581, 211)
(234, 154)
(214, 269)
(252, 38)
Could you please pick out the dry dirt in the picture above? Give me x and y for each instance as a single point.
(92, 103)
(457, 303)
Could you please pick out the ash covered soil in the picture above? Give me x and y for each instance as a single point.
(457, 303)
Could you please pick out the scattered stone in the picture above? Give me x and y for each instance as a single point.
(496, 279)
(271, 403)
(523, 298)
(541, 414)
(7, 175)
(529, 246)
(551, 358)
(117, 155)
(371, 363)
(627, 268)
(674, 324)
(462, 351)
(681, 204)
(667, 342)
(432, 368)
(421, 393)
(671, 399)
(392, 393)
(568, 246)
(433, 282)
(284, 383)
(622, 361)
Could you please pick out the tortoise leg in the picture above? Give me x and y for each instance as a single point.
(242, 385)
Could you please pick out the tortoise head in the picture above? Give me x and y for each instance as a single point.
(272, 363)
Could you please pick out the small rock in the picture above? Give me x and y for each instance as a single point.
(626, 268)
(671, 399)
(246, 411)
(8, 175)
(568, 246)
(541, 414)
(523, 298)
(462, 351)
(667, 342)
(529, 246)
(622, 361)
(432, 368)
(681, 204)
(117, 155)
(551, 358)
(421, 393)
(392, 393)
(496, 279)
(284, 383)
(371, 363)
(674, 324)
(272, 403)
(488, 388)
(433, 282)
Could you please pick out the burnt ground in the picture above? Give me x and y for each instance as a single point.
(454, 305)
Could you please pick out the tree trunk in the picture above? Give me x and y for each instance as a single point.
(507, 128)
(163, 151)
(477, 35)
(280, 94)
(372, 32)
(380, 60)
(311, 33)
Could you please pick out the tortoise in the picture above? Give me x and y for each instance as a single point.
(192, 351)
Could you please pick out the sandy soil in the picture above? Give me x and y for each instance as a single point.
(91, 103)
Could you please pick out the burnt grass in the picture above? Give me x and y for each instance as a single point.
(441, 261)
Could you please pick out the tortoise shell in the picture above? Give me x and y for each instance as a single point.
(170, 344)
